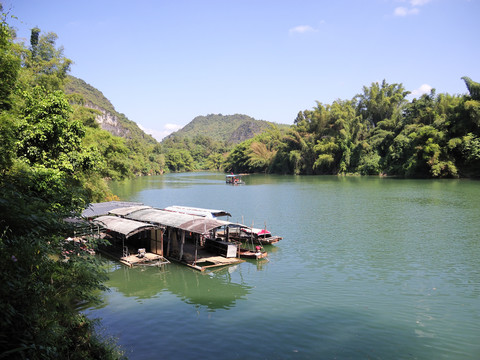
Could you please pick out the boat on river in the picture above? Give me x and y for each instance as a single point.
(233, 179)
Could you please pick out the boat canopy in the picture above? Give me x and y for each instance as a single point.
(192, 223)
(208, 213)
(256, 231)
(122, 226)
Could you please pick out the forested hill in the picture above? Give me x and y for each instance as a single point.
(108, 118)
(232, 129)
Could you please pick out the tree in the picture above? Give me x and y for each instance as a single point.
(473, 87)
(9, 64)
(42, 162)
(44, 63)
(260, 157)
(380, 102)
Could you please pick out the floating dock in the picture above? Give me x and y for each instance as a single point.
(148, 259)
(213, 261)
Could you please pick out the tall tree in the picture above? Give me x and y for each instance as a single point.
(45, 63)
(473, 87)
(380, 101)
(9, 64)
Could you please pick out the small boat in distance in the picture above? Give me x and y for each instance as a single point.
(233, 179)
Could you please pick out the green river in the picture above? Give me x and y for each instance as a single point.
(368, 268)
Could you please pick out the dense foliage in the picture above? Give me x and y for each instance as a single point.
(206, 141)
(197, 153)
(378, 132)
(124, 150)
(44, 169)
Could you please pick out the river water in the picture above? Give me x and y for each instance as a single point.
(369, 268)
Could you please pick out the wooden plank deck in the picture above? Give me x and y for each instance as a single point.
(209, 262)
(148, 259)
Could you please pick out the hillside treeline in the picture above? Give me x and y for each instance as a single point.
(378, 132)
(49, 171)
(131, 152)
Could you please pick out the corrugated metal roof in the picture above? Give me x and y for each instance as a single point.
(193, 223)
(198, 211)
(124, 211)
(160, 217)
(97, 209)
(203, 225)
(122, 226)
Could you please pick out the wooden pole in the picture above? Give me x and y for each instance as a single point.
(169, 235)
(196, 240)
(181, 245)
(161, 241)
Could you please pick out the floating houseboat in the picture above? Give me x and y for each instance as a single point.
(143, 235)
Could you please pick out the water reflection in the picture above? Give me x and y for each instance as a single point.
(213, 290)
(368, 267)
(131, 188)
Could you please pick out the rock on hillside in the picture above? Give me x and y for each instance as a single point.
(108, 118)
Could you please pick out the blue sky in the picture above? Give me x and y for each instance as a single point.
(162, 63)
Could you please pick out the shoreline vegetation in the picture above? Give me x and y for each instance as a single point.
(377, 132)
(55, 159)
(47, 174)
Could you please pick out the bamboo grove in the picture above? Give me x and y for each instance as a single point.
(378, 132)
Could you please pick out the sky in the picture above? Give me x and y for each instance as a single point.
(162, 63)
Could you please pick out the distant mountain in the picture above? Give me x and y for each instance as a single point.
(230, 128)
(108, 118)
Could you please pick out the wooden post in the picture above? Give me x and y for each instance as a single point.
(169, 235)
(161, 241)
(181, 245)
(196, 240)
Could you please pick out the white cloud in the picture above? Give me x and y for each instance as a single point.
(403, 11)
(400, 11)
(423, 89)
(160, 134)
(173, 127)
(301, 29)
(412, 10)
(419, 2)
